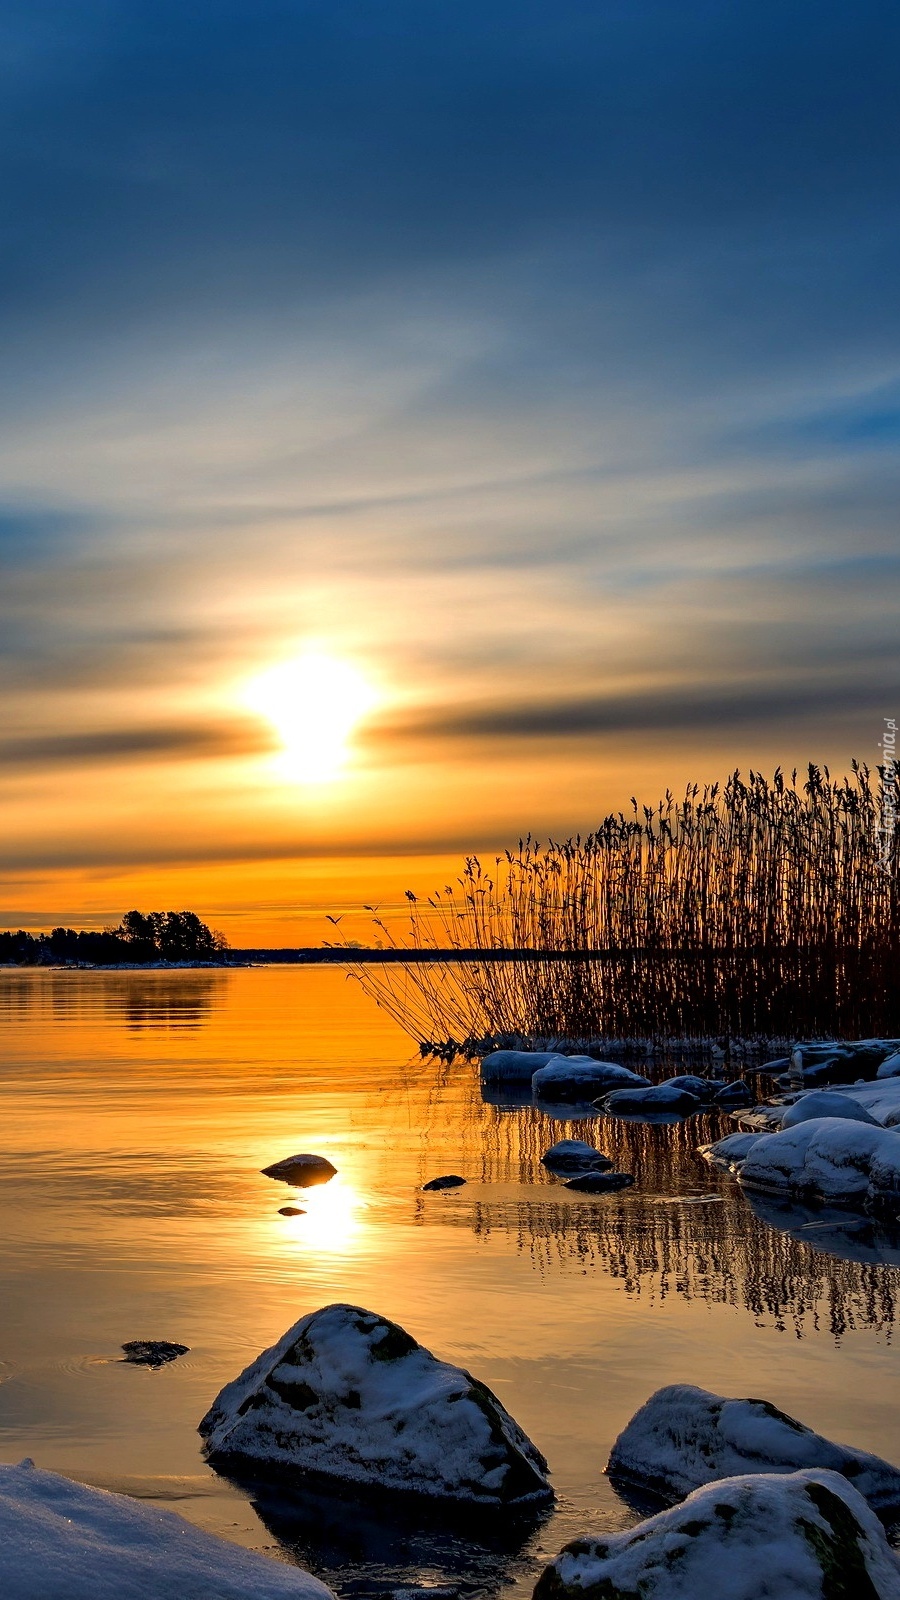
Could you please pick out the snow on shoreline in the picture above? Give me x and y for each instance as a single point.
(60, 1540)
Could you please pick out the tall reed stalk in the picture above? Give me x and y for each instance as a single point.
(763, 908)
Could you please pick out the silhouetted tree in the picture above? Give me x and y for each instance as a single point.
(139, 938)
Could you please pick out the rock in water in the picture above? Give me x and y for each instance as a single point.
(808, 1536)
(819, 1103)
(302, 1171)
(291, 1211)
(600, 1182)
(574, 1078)
(669, 1096)
(450, 1180)
(514, 1066)
(62, 1541)
(685, 1437)
(574, 1155)
(348, 1396)
(734, 1095)
(153, 1352)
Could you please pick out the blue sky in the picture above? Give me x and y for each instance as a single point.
(541, 359)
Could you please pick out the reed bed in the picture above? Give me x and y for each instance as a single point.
(761, 909)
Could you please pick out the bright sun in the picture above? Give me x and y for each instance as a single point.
(314, 703)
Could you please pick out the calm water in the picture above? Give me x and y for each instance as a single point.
(137, 1110)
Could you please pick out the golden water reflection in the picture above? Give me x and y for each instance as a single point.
(138, 1112)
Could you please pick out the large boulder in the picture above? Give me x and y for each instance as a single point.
(808, 1536)
(350, 1397)
(684, 1437)
(846, 1163)
(890, 1066)
(62, 1541)
(819, 1103)
(581, 1078)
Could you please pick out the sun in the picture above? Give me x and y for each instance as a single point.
(314, 702)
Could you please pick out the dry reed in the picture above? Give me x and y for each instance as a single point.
(764, 909)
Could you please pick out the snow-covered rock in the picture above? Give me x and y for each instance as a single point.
(574, 1155)
(821, 1103)
(515, 1066)
(581, 1078)
(345, 1395)
(669, 1096)
(890, 1066)
(62, 1541)
(730, 1152)
(303, 1171)
(808, 1536)
(847, 1163)
(684, 1437)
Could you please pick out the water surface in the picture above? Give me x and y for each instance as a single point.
(137, 1110)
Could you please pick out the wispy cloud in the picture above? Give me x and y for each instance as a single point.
(109, 746)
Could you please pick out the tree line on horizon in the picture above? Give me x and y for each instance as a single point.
(140, 938)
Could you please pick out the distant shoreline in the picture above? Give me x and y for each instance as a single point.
(336, 956)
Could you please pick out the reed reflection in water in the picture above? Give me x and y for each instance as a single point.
(685, 1229)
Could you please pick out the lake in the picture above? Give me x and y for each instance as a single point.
(137, 1111)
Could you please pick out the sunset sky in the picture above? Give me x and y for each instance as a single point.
(423, 423)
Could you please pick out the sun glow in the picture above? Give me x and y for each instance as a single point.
(314, 703)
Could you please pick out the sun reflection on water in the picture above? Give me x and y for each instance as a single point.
(334, 1220)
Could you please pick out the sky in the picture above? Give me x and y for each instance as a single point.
(426, 424)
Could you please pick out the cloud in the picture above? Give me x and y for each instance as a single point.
(667, 710)
(177, 741)
(543, 360)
